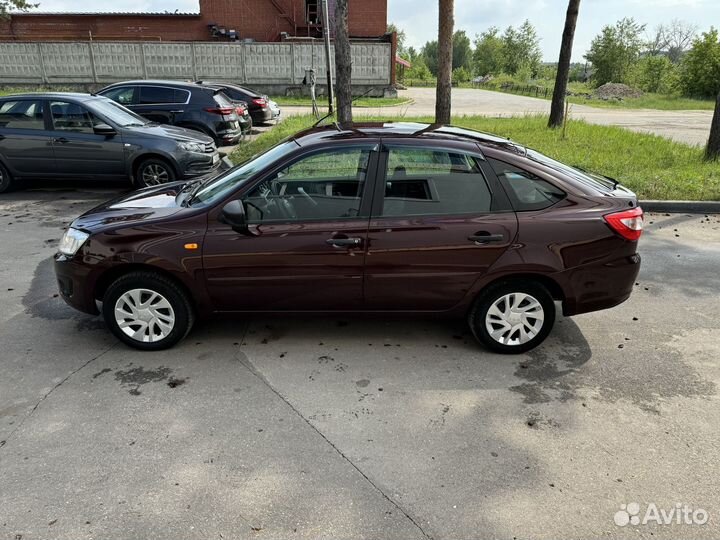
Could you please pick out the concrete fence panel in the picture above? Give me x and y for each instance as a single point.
(274, 65)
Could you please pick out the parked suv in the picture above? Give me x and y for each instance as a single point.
(261, 108)
(202, 108)
(372, 218)
(60, 134)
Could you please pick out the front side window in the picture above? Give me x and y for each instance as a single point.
(22, 114)
(422, 181)
(527, 191)
(71, 117)
(326, 185)
(124, 95)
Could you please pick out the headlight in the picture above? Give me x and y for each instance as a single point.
(192, 147)
(71, 241)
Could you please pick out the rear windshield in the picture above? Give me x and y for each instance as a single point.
(222, 100)
(592, 180)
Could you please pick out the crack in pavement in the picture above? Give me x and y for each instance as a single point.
(245, 361)
(58, 385)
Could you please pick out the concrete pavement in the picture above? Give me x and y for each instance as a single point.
(691, 127)
(328, 427)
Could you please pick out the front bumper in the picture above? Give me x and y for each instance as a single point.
(76, 282)
(200, 164)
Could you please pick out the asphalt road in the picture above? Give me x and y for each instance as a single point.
(691, 127)
(345, 428)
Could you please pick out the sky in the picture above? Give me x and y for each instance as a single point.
(418, 18)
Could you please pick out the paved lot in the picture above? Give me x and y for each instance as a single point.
(296, 427)
(692, 127)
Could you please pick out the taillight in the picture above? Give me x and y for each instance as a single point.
(628, 223)
(259, 101)
(220, 110)
(240, 111)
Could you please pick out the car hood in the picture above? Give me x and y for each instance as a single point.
(173, 132)
(145, 205)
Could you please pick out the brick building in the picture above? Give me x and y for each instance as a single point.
(220, 20)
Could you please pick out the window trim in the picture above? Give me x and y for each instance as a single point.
(496, 193)
(365, 201)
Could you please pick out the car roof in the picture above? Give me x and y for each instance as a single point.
(185, 85)
(77, 96)
(220, 84)
(405, 130)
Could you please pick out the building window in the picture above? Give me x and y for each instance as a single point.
(312, 11)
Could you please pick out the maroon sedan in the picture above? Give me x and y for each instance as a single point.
(368, 218)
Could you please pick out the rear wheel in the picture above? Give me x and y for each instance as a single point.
(513, 317)
(147, 311)
(153, 172)
(6, 181)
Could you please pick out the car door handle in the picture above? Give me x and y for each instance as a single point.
(61, 140)
(486, 238)
(177, 112)
(344, 242)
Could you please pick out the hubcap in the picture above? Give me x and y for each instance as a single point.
(144, 315)
(155, 174)
(514, 319)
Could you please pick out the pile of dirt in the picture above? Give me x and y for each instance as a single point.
(616, 91)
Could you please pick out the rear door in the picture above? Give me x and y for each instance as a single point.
(79, 151)
(440, 220)
(161, 104)
(309, 225)
(25, 143)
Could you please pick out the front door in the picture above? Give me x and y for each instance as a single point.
(437, 226)
(308, 238)
(79, 151)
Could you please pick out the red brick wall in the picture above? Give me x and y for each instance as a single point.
(260, 20)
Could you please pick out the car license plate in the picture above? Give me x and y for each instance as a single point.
(216, 159)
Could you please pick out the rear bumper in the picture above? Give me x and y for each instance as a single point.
(602, 286)
(260, 116)
(74, 281)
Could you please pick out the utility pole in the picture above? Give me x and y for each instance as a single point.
(328, 63)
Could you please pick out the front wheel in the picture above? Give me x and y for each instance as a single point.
(513, 317)
(147, 311)
(153, 172)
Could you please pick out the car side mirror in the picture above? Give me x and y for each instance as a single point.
(233, 214)
(105, 130)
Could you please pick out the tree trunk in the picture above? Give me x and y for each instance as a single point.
(445, 52)
(713, 146)
(557, 109)
(343, 63)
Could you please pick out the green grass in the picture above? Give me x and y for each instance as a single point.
(303, 101)
(652, 166)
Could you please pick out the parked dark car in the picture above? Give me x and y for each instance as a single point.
(202, 108)
(259, 105)
(66, 135)
(372, 218)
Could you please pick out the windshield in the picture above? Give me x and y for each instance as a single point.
(116, 113)
(224, 184)
(587, 178)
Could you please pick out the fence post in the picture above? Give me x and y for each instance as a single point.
(242, 59)
(43, 75)
(292, 63)
(92, 62)
(143, 61)
(194, 62)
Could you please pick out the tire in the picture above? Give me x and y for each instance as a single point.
(491, 309)
(153, 172)
(6, 180)
(167, 303)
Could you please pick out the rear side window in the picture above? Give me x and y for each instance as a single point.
(156, 95)
(423, 181)
(22, 114)
(526, 191)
